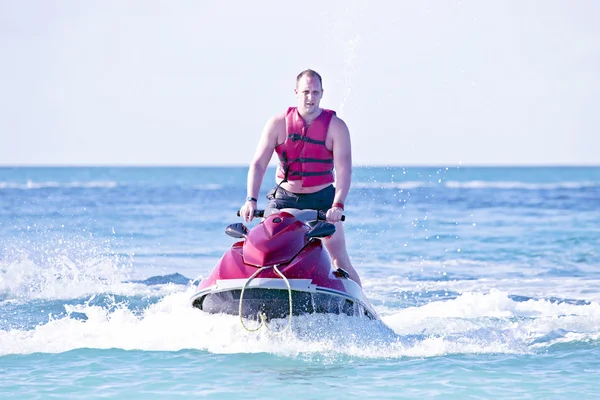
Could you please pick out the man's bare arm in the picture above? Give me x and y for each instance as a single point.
(342, 156)
(263, 154)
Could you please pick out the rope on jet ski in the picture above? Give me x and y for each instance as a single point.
(289, 324)
(262, 316)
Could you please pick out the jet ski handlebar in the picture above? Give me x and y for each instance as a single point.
(321, 216)
(257, 213)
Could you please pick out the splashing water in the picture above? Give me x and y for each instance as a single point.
(346, 46)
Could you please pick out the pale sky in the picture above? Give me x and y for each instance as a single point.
(193, 82)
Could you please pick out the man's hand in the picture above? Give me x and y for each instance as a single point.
(247, 210)
(334, 214)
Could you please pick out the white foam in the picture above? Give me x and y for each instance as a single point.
(472, 323)
(209, 186)
(24, 281)
(548, 287)
(391, 185)
(52, 184)
(476, 184)
(569, 337)
(520, 185)
(172, 324)
(68, 268)
(494, 314)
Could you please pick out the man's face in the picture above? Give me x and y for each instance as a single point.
(309, 93)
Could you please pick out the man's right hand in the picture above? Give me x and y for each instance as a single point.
(247, 210)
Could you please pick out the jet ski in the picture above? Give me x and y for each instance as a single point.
(280, 268)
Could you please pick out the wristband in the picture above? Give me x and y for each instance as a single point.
(250, 198)
(338, 205)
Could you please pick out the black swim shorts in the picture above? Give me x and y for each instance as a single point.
(321, 200)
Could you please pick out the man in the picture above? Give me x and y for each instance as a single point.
(311, 142)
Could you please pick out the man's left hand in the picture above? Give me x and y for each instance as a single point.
(334, 214)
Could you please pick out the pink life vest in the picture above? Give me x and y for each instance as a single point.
(303, 155)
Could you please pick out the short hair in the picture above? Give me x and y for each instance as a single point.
(310, 73)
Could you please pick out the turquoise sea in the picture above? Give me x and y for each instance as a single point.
(487, 281)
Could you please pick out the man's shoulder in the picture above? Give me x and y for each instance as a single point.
(277, 118)
(276, 122)
(338, 123)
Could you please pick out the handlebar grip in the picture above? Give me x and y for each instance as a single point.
(257, 213)
(320, 215)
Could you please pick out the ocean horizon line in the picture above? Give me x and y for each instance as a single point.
(360, 165)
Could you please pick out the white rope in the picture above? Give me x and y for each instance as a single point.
(261, 315)
(289, 324)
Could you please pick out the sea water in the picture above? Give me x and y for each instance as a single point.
(487, 282)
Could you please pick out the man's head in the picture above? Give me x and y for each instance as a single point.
(309, 91)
